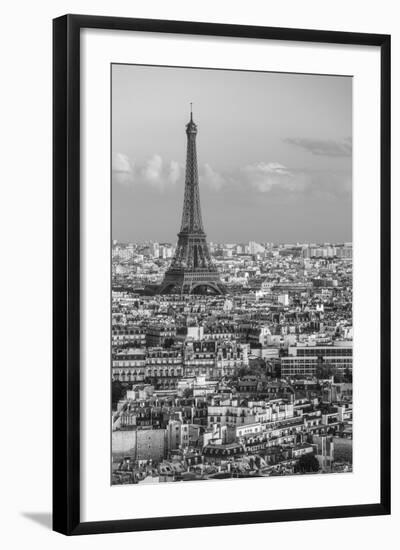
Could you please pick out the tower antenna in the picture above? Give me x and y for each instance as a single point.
(191, 111)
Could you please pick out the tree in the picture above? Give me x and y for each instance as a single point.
(118, 391)
(243, 371)
(348, 376)
(308, 463)
(168, 342)
(324, 370)
(187, 392)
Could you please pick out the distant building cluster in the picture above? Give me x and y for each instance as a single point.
(256, 381)
(344, 251)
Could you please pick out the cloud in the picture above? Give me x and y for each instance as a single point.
(277, 179)
(122, 169)
(269, 176)
(152, 170)
(155, 172)
(323, 147)
(212, 178)
(174, 172)
(263, 177)
(160, 174)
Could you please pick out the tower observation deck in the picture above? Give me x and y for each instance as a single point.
(192, 270)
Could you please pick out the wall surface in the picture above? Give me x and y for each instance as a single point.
(25, 124)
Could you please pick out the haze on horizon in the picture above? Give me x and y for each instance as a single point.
(274, 154)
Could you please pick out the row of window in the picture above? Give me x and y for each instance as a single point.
(326, 352)
(313, 362)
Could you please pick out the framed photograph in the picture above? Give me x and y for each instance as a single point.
(221, 274)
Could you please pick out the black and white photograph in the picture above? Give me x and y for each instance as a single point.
(231, 274)
(201, 253)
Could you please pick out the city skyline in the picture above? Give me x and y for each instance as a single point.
(242, 243)
(284, 181)
(230, 360)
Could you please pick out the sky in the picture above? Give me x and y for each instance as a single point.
(274, 153)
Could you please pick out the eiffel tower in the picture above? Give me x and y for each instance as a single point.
(192, 270)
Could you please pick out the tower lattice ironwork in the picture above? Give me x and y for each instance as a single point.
(192, 270)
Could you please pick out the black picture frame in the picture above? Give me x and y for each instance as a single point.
(66, 273)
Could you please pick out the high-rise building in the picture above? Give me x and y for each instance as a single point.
(155, 250)
(255, 248)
